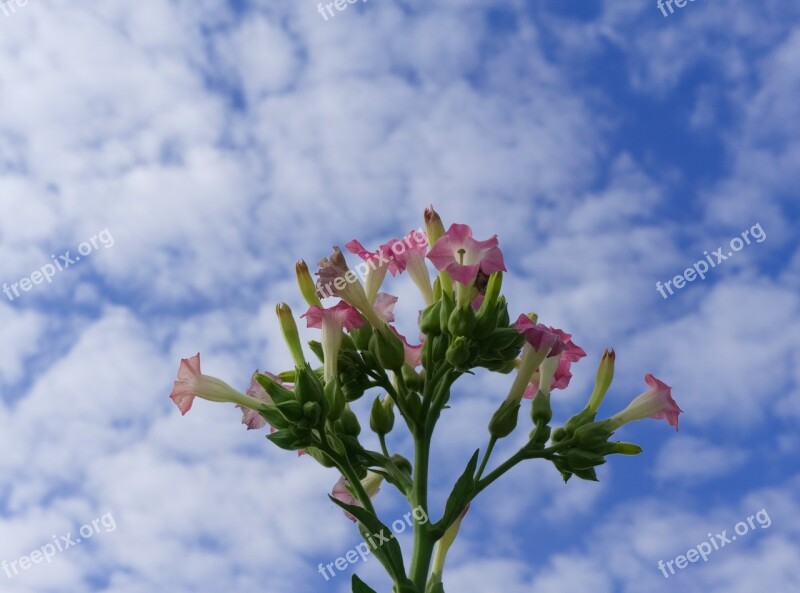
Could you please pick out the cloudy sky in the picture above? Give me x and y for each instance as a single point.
(194, 150)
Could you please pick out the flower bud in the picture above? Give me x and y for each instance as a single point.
(461, 321)
(458, 353)
(350, 423)
(622, 449)
(289, 329)
(312, 413)
(541, 411)
(504, 420)
(388, 349)
(592, 435)
(306, 283)
(381, 419)
(579, 459)
(309, 388)
(336, 399)
(429, 321)
(605, 374)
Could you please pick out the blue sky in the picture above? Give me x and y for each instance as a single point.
(216, 143)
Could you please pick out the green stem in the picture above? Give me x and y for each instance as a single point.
(486, 455)
(384, 448)
(423, 540)
(520, 455)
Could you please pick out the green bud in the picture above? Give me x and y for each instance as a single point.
(350, 423)
(429, 323)
(306, 284)
(578, 459)
(461, 321)
(622, 449)
(291, 410)
(583, 417)
(388, 349)
(414, 380)
(403, 464)
(312, 413)
(592, 435)
(308, 387)
(458, 353)
(336, 399)
(559, 434)
(541, 411)
(504, 420)
(289, 330)
(605, 374)
(446, 309)
(381, 419)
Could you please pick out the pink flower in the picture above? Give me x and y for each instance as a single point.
(541, 337)
(409, 253)
(656, 403)
(335, 278)
(384, 306)
(371, 484)
(375, 266)
(192, 383)
(383, 256)
(332, 320)
(461, 256)
(341, 315)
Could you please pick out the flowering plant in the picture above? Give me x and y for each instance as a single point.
(464, 325)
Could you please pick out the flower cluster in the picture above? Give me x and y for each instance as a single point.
(464, 324)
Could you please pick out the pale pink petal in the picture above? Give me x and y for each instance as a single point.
(384, 306)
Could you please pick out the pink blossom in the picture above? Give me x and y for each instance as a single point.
(461, 256)
(382, 257)
(384, 306)
(342, 315)
(656, 403)
(192, 383)
(541, 337)
(409, 253)
(332, 320)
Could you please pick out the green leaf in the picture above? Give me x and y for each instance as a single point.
(383, 543)
(316, 348)
(360, 586)
(462, 493)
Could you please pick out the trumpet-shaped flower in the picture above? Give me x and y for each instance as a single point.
(376, 264)
(656, 403)
(461, 256)
(409, 253)
(332, 321)
(335, 278)
(192, 383)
